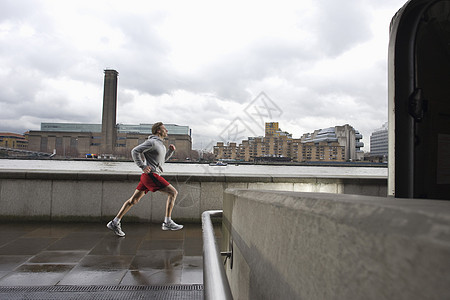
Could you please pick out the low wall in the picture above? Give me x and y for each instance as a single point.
(289, 245)
(97, 196)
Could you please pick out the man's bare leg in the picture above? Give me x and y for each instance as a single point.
(172, 193)
(114, 225)
(134, 199)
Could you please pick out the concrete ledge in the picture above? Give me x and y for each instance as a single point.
(109, 176)
(12, 174)
(97, 196)
(289, 245)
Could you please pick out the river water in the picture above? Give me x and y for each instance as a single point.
(195, 169)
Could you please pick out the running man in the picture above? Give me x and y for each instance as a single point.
(155, 155)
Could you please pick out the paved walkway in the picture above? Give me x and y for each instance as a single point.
(82, 254)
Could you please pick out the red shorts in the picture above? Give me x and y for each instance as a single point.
(151, 182)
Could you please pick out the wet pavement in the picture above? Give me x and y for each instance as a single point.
(65, 254)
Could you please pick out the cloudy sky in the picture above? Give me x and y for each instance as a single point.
(221, 68)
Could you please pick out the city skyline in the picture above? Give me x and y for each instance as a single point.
(144, 129)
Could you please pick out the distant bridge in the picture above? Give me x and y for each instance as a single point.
(28, 152)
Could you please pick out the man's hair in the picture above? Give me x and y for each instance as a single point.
(156, 127)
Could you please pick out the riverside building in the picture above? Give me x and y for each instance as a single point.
(108, 139)
(13, 140)
(334, 144)
(379, 142)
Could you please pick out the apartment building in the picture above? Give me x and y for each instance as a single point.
(227, 152)
(13, 140)
(334, 144)
(379, 142)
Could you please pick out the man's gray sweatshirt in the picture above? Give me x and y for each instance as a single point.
(154, 153)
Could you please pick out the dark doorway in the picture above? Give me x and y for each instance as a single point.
(419, 101)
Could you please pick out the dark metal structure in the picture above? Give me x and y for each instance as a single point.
(419, 101)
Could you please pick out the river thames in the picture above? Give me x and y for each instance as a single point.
(195, 169)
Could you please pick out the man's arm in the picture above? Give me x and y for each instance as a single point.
(137, 151)
(170, 152)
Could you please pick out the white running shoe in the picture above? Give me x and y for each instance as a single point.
(116, 228)
(171, 226)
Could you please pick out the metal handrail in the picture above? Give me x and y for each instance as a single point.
(214, 278)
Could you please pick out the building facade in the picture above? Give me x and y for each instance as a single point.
(81, 140)
(227, 152)
(379, 141)
(335, 144)
(13, 140)
(108, 139)
(343, 136)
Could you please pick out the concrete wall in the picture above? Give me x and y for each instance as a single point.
(289, 245)
(93, 196)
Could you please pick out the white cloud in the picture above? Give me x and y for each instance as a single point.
(196, 63)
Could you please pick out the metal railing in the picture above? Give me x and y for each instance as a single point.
(216, 286)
